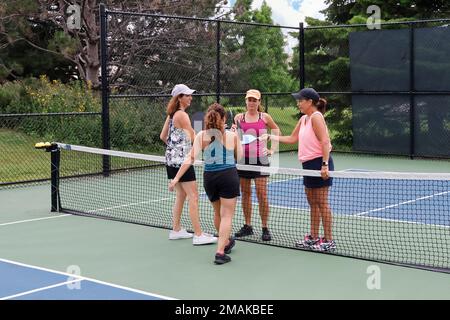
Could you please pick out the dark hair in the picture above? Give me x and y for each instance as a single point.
(321, 105)
(214, 118)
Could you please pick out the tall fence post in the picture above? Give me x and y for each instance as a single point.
(218, 62)
(106, 144)
(301, 55)
(412, 88)
(55, 156)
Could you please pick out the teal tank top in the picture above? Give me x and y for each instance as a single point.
(217, 157)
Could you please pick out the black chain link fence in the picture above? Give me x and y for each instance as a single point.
(387, 90)
(20, 162)
(391, 83)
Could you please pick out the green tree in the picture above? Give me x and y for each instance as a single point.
(327, 61)
(343, 11)
(40, 28)
(254, 55)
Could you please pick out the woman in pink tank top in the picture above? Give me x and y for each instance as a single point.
(254, 122)
(314, 149)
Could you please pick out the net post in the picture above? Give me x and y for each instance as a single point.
(55, 157)
(105, 90)
(218, 62)
(412, 117)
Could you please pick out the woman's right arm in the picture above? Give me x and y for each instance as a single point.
(236, 122)
(293, 138)
(165, 131)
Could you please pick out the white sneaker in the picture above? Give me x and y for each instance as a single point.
(182, 234)
(204, 238)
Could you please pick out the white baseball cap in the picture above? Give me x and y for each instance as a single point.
(181, 89)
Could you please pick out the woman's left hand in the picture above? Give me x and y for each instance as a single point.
(172, 184)
(324, 172)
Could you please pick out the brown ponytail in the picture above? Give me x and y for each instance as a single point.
(214, 119)
(173, 105)
(321, 105)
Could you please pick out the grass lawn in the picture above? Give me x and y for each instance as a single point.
(20, 161)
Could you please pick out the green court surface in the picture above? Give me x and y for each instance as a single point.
(143, 258)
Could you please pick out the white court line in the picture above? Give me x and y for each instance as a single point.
(40, 289)
(402, 203)
(128, 205)
(395, 220)
(73, 276)
(36, 219)
(358, 170)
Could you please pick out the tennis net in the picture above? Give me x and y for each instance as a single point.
(398, 218)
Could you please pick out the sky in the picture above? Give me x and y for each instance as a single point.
(291, 12)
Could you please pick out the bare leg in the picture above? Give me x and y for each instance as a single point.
(190, 189)
(325, 212)
(315, 211)
(246, 193)
(216, 206)
(261, 193)
(227, 208)
(178, 207)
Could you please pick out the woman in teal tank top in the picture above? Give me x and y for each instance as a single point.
(221, 150)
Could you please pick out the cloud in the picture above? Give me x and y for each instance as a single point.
(292, 12)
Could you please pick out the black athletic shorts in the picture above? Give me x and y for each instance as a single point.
(189, 175)
(317, 182)
(260, 161)
(221, 184)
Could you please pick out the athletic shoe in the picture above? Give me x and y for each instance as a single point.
(246, 230)
(266, 235)
(182, 234)
(204, 238)
(324, 245)
(230, 245)
(221, 258)
(307, 243)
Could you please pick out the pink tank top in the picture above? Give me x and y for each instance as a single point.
(254, 149)
(309, 146)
